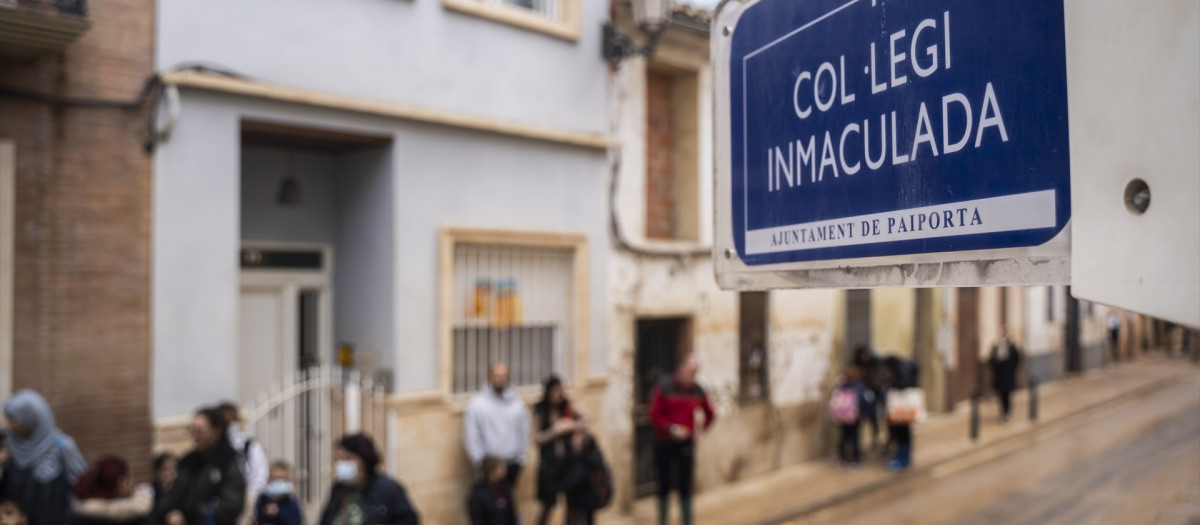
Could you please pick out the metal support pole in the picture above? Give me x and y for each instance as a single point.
(975, 397)
(1033, 398)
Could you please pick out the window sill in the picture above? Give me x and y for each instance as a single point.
(567, 29)
(672, 246)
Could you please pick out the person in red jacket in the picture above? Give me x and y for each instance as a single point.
(673, 406)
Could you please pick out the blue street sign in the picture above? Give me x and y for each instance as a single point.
(869, 128)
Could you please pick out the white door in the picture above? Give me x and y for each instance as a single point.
(267, 353)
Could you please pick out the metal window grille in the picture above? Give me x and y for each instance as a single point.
(513, 305)
(548, 8)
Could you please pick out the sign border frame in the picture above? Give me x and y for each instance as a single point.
(1045, 264)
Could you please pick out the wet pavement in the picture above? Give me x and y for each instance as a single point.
(1135, 463)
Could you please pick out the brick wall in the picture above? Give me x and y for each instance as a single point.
(82, 259)
(660, 149)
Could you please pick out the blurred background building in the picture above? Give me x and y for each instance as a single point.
(203, 201)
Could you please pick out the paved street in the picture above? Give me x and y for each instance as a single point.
(1138, 462)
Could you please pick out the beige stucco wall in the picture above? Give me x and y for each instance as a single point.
(893, 319)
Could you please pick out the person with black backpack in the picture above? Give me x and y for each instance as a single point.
(587, 481)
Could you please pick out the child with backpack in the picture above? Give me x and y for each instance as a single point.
(587, 481)
(847, 404)
(491, 501)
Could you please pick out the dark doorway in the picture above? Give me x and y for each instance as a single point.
(858, 322)
(754, 325)
(966, 369)
(661, 343)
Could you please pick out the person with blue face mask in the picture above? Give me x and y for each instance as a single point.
(363, 495)
(277, 504)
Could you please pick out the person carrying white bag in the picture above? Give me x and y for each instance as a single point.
(905, 406)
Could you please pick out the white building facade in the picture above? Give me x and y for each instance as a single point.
(419, 182)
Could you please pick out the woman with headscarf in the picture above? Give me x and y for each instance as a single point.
(43, 462)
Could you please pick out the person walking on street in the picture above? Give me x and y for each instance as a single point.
(491, 500)
(251, 457)
(555, 420)
(105, 495)
(40, 463)
(362, 494)
(496, 424)
(1114, 335)
(209, 489)
(673, 405)
(1004, 359)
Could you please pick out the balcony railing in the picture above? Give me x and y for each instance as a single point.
(30, 28)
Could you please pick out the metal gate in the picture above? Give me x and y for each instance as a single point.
(300, 421)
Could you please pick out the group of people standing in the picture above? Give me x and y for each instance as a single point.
(44, 479)
(570, 464)
(874, 388)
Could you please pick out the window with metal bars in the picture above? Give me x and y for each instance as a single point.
(512, 305)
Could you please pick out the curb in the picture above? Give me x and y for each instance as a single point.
(873, 486)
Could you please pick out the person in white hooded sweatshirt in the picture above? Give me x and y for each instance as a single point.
(497, 424)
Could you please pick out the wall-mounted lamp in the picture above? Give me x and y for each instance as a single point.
(289, 188)
(652, 17)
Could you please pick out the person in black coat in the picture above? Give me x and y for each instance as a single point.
(209, 488)
(554, 421)
(873, 379)
(585, 464)
(491, 500)
(362, 494)
(166, 469)
(1004, 360)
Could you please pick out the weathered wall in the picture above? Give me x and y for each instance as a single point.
(804, 327)
(746, 440)
(893, 320)
(82, 265)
